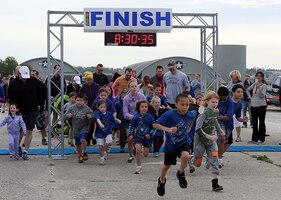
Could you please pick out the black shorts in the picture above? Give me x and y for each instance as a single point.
(171, 158)
(30, 120)
(229, 140)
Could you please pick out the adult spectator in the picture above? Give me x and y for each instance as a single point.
(3, 94)
(34, 73)
(176, 82)
(145, 84)
(122, 82)
(158, 78)
(235, 77)
(258, 108)
(196, 84)
(134, 74)
(29, 93)
(74, 85)
(246, 100)
(114, 77)
(129, 109)
(90, 88)
(100, 78)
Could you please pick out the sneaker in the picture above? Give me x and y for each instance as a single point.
(191, 169)
(130, 159)
(191, 164)
(25, 156)
(207, 164)
(252, 142)
(16, 158)
(20, 151)
(105, 155)
(85, 156)
(182, 179)
(138, 170)
(260, 142)
(122, 150)
(102, 161)
(161, 187)
(80, 159)
(238, 139)
(156, 154)
(108, 149)
(44, 142)
(215, 185)
(221, 163)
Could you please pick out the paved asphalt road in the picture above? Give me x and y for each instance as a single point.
(243, 176)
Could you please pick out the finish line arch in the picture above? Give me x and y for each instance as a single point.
(207, 23)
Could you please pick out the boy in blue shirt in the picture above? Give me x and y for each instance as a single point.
(225, 119)
(177, 124)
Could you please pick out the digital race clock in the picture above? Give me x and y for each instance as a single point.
(129, 39)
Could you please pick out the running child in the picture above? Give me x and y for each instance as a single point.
(177, 124)
(72, 96)
(225, 119)
(194, 105)
(157, 92)
(206, 136)
(103, 132)
(142, 125)
(122, 126)
(81, 116)
(158, 138)
(15, 124)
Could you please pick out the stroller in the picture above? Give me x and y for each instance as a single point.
(58, 127)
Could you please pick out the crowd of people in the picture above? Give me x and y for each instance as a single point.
(141, 114)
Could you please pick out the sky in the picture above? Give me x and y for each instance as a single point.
(254, 23)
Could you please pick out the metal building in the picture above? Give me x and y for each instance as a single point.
(40, 64)
(187, 65)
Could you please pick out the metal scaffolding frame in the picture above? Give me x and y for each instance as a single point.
(57, 20)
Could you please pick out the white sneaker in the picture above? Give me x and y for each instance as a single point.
(102, 161)
(138, 170)
(207, 164)
(238, 139)
(105, 155)
(220, 163)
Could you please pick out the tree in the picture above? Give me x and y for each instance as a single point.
(8, 65)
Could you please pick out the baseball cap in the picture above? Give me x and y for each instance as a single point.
(77, 80)
(171, 63)
(88, 74)
(24, 72)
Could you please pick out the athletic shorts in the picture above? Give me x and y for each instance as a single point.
(144, 141)
(30, 120)
(78, 139)
(228, 134)
(171, 158)
(102, 141)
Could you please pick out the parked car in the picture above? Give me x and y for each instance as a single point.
(272, 99)
(273, 92)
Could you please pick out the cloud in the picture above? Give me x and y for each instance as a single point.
(242, 3)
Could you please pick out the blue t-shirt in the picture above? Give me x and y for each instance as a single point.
(162, 98)
(237, 108)
(119, 111)
(109, 105)
(106, 119)
(226, 109)
(170, 119)
(142, 124)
